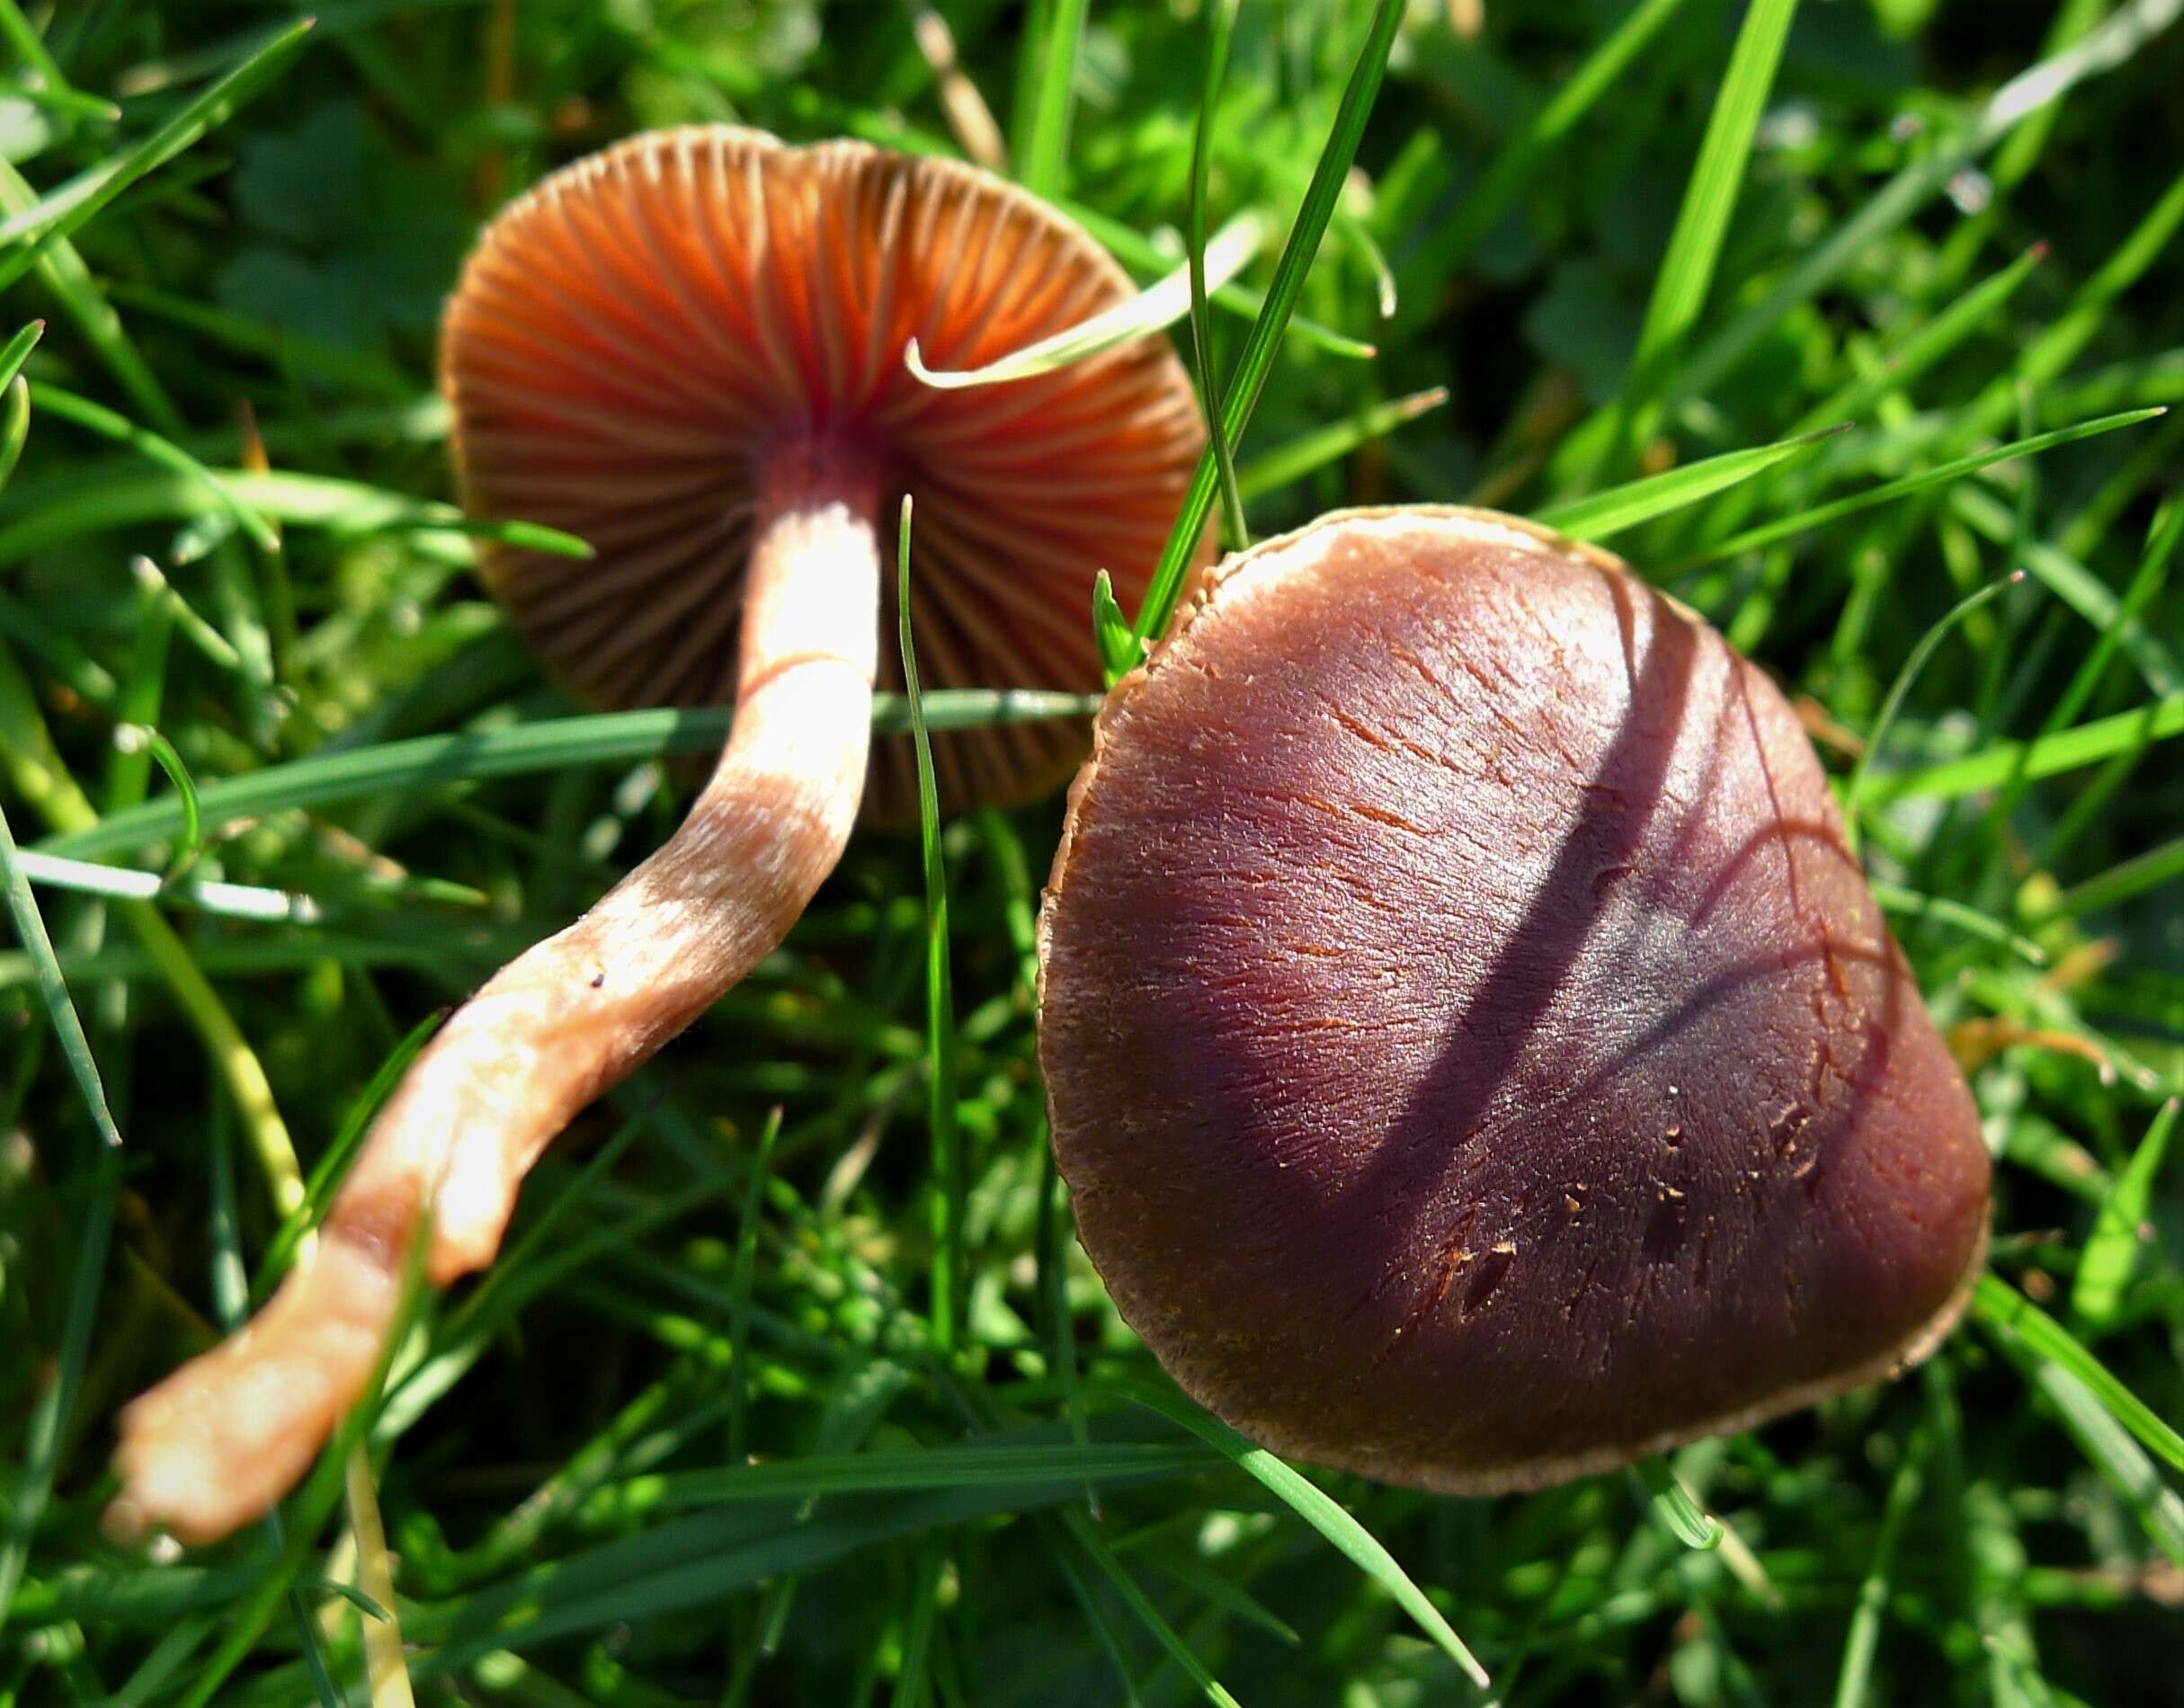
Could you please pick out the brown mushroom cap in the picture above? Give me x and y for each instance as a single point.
(1475, 1058)
(634, 337)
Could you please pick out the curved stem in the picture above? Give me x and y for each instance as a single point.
(222, 1438)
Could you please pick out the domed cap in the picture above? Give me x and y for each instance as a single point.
(632, 338)
(1475, 1058)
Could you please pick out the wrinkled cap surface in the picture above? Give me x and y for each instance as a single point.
(1473, 1054)
(632, 336)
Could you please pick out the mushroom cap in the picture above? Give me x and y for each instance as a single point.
(1474, 1055)
(632, 337)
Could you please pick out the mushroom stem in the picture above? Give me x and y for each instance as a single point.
(222, 1438)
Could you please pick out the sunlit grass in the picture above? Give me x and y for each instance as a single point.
(791, 1383)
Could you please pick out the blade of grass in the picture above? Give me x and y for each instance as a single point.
(55, 216)
(1220, 21)
(1046, 97)
(1265, 337)
(1686, 278)
(2143, 872)
(61, 271)
(1310, 452)
(15, 425)
(30, 49)
(1139, 252)
(1673, 1505)
(52, 1413)
(52, 991)
(2019, 1324)
(1896, 899)
(346, 509)
(1120, 651)
(1095, 1548)
(1157, 306)
(550, 744)
(19, 348)
(1441, 255)
(1601, 515)
(108, 424)
(229, 901)
(951, 1186)
(2112, 1250)
(327, 1171)
(1854, 1679)
(1820, 515)
(132, 737)
(2049, 756)
(2113, 44)
(50, 1416)
(1310, 1503)
(1928, 644)
(743, 1276)
(307, 1511)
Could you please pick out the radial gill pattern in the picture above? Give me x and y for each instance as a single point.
(632, 337)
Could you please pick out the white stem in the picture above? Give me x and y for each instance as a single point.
(222, 1438)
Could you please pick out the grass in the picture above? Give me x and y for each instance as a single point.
(792, 1386)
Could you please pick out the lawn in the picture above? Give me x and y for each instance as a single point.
(1850, 324)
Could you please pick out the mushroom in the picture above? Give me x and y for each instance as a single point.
(690, 350)
(1475, 1058)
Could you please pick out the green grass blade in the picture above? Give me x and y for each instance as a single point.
(132, 736)
(1310, 452)
(1265, 337)
(2040, 86)
(742, 1277)
(30, 50)
(225, 901)
(1893, 704)
(1140, 1604)
(1854, 1679)
(950, 1175)
(1675, 1506)
(60, 1011)
(1310, 1503)
(1601, 515)
(18, 349)
(1139, 252)
(54, 217)
(1002, 1466)
(2121, 1461)
(15, 425)
(2018, 1322)
(1894, 898)
(1820, 515)
(1220, 21)
(2049, 756)
(49, 1417)
(326, 1174)
(550, 744)
(2111, 1254)
(346, 509)
(1439, 256)
(108, 424)
(1157, 306)
(1120, 651)
(1687, 271)
(2157, 865)
(1042, 148)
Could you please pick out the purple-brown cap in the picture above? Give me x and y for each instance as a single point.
(635, 339)
(1475, 1054)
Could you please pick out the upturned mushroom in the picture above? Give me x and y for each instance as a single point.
(690, 352)
(1474, 1055)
